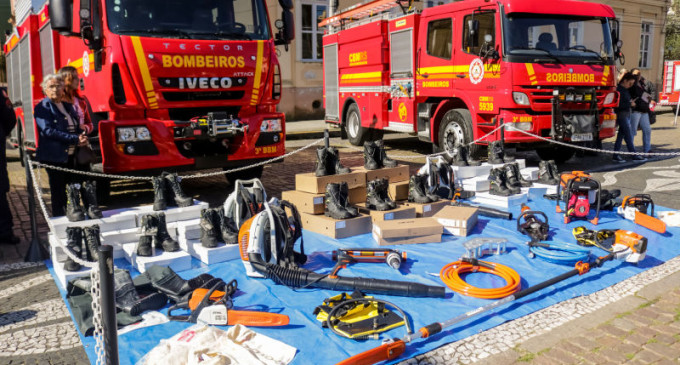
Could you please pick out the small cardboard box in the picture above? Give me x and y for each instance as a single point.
(457, 221)
(405, 228)
(407, 240)
(305, 202)
(310, 183)
(400, 212)
(398, 190)
(336, 228)
(429, 209)
(393, 174)
(357, 195)
(486, 198)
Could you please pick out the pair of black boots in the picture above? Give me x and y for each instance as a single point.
(154, 231)
(461, 157)
(164, 280)
(336, 202)
(166, 189)
(375, 156)
(127, 298)
(328, 162)
(547, 173)
(507, 180)
(217, 227)
(90, 209)
(418, 191)
(377, 195)
(497, 155)
(83, 243)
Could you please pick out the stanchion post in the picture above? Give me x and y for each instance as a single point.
(35, 251)
(677, 109)
(502, 134)
(326, 138)
(108, 305)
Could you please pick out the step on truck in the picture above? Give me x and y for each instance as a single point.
(172, 85)
(452, 73)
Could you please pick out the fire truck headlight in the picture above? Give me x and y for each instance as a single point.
(609, 98)
(125, 134)
(143, 134)
(520, 98)
(271, 125)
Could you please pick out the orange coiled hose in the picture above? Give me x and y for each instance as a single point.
(450, 275)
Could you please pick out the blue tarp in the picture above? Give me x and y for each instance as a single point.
(319, 346)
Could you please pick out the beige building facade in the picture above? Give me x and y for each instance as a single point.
(642, 31)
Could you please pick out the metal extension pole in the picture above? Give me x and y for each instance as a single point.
(108, 305)
(35, 251)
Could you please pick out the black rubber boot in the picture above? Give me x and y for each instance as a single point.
(416, 190)
(89, 195)
(370, 160)
(447, 184)
(458, 158)
(431, 182)
(384, 194)
(333, 204)
(74, 243)
(209, 228)
(497, 185)
(149, 229)
(74, 211)
(470, 161)
(374, 200)
(384, 161)
(159, 188)
(92, 241)
(545, 174)
(228, 227)
(334, 162)
(344, 200)
(495, 153)
(511, 179)
(554, 174)
(522, 181)
(165, 280)
(320, 168)
(128, 300)
(180, 198)
(162, 239)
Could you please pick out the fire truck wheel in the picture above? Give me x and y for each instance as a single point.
(255, 172)
(356, 134)
(558, 153)
(456, 129)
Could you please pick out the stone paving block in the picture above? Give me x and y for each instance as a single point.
(647, 356)
(570, 348)
(665, 339)
(646, 331)
(613, 355)
(543, 360)
(667, 362)
(664, 329)
(607, 342)
(640, 319)
(624, 324)
(561, 356)
(637, 339)
(612, 330)
(663, 350)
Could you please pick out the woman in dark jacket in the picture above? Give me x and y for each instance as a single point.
(59, 135)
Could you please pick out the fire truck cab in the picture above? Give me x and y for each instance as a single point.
(454, 72)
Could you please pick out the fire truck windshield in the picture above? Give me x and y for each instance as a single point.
(197, 19)
(559, 39)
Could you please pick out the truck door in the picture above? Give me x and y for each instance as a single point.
(401, 115)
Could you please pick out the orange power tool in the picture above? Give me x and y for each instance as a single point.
(634, 208)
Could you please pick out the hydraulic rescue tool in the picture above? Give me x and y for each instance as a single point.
(578, 191)
(635, 208)
(346, 256)
(603, 239)
(627, 248)
(528, 223)
(266, 243)
(212, 304)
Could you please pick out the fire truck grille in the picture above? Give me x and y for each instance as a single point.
(185, 114)
(208, 95)
(541, 99)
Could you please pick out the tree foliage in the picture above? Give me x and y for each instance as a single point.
(672, 47)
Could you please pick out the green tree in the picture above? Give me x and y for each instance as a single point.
(672, 47)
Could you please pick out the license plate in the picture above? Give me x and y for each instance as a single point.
(581, 137)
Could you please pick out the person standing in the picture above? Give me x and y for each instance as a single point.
(623, 113)
(640, 114)
(59, 134)
(8, 120)
(73, 97)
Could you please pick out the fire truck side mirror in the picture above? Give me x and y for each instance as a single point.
(60, 16)
(286, 27)
(286, 4)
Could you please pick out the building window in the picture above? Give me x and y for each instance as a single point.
(646, 45)
(311, 35)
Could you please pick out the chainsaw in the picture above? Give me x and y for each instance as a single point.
(634, 208)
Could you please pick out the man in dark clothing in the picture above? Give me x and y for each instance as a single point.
(623, 112)
(8, 120)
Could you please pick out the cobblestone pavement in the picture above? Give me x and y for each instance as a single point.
(635, 321)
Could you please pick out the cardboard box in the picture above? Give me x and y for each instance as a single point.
(336, 228)
(486, 198)
(404, 228)
(457, 221)
(479, 183)
(429, 209)
(305, 202)
(398, 190)
(407, 240)
(393, 174)
(310, 183)
(400, 212)
(466, 172)
(357, 195)
(529, 173)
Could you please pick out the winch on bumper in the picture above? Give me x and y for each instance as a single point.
(212, 126)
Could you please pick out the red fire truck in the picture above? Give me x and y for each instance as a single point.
(670, 90)
(453, 72)
(171, 86)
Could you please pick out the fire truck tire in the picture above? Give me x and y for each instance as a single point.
(456, 128)
(255, 172)
(557, 153)
(356, 134)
